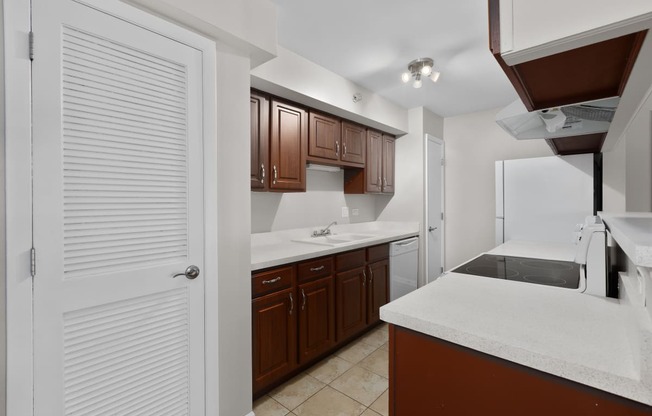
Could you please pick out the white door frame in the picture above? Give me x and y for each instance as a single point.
(19, 199)
(424, 228)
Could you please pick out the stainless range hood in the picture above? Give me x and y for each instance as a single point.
(571, 120)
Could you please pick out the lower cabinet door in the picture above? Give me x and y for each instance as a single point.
(316, 312)
(378, 274)
(351, 302)
(274, 337)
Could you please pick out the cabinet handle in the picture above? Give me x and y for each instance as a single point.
(364, 278)
(291, 303)
(303, 305)
(275, 173)
(270, 281)
(316, 269)
(337, 148)
(384, 182)
(344, 147)
(262, 173)
(380, 182)
(371, 276)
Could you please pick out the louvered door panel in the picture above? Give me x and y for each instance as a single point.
(123, 111)
(128, 357)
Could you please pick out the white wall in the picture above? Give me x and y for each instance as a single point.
(407, 202)
(234, 244)
(473, 142)
(320, 205)
(247, 25)
(294, 77)
(627, 176)
(3, 278)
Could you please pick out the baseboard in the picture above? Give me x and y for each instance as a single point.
(250, 413)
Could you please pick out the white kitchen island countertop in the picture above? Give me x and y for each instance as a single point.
(572, 335)
(276, 248)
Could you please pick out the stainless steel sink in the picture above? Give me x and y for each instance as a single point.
(335, 239)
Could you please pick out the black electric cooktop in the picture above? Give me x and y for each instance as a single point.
(564, 274)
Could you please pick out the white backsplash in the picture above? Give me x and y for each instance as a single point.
(321, 204)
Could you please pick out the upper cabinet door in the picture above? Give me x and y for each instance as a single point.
(388, 164)
(373, 167)
(259, 106)
(353, 143)
(324, 137)
(288, 140)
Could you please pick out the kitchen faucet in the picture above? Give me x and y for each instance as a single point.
(324, 231)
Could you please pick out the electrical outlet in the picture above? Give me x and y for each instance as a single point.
(345, 212)
(355, 212)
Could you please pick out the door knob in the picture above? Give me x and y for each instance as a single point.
(190, 273)
(431, 229)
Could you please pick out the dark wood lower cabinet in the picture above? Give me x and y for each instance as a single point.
(351, 296)
(304, 311)
(316, 318)
(274, 337)
(429, 376)
(378, 293)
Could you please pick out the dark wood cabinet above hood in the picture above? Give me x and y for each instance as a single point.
(599, 70)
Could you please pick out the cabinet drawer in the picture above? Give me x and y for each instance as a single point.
(376, 253)
(315, 268)
(349, 260)
(272, 280)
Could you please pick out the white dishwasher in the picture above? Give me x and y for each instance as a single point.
(403, 267)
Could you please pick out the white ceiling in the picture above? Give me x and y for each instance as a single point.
(370, 42)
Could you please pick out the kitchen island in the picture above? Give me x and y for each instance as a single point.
(466, 344)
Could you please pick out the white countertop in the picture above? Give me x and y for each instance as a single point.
(633, 232)
(276, 247)
(579, 337)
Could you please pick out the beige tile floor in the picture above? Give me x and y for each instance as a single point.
(351, 382)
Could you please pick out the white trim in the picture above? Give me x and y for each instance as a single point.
(18, 208)
(250, 414)
(18, 194)
(424, 230)
(614, 30)
(506, 16)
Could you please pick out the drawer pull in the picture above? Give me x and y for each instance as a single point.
(317, 269)
(274, 280)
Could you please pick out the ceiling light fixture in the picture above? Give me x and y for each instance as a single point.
(422, 67)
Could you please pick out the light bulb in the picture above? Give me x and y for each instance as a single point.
(434, 76)
(405, 77)
(426, 70)
(417, 83)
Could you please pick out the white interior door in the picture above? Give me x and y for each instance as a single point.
(434, 210)
(118, 210)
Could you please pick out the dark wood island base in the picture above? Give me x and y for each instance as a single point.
(429, 376)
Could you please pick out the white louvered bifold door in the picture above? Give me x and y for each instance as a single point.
(118, 210)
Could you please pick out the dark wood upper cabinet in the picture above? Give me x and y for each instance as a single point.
(374, 166)
(595, 71)
(288, 141)
(316, 318)
(324, 137)
(274, 331)
(388, 164)
(353, 144)
(378, 175)
(259, 105)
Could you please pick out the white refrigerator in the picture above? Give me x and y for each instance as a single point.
(543, 199)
